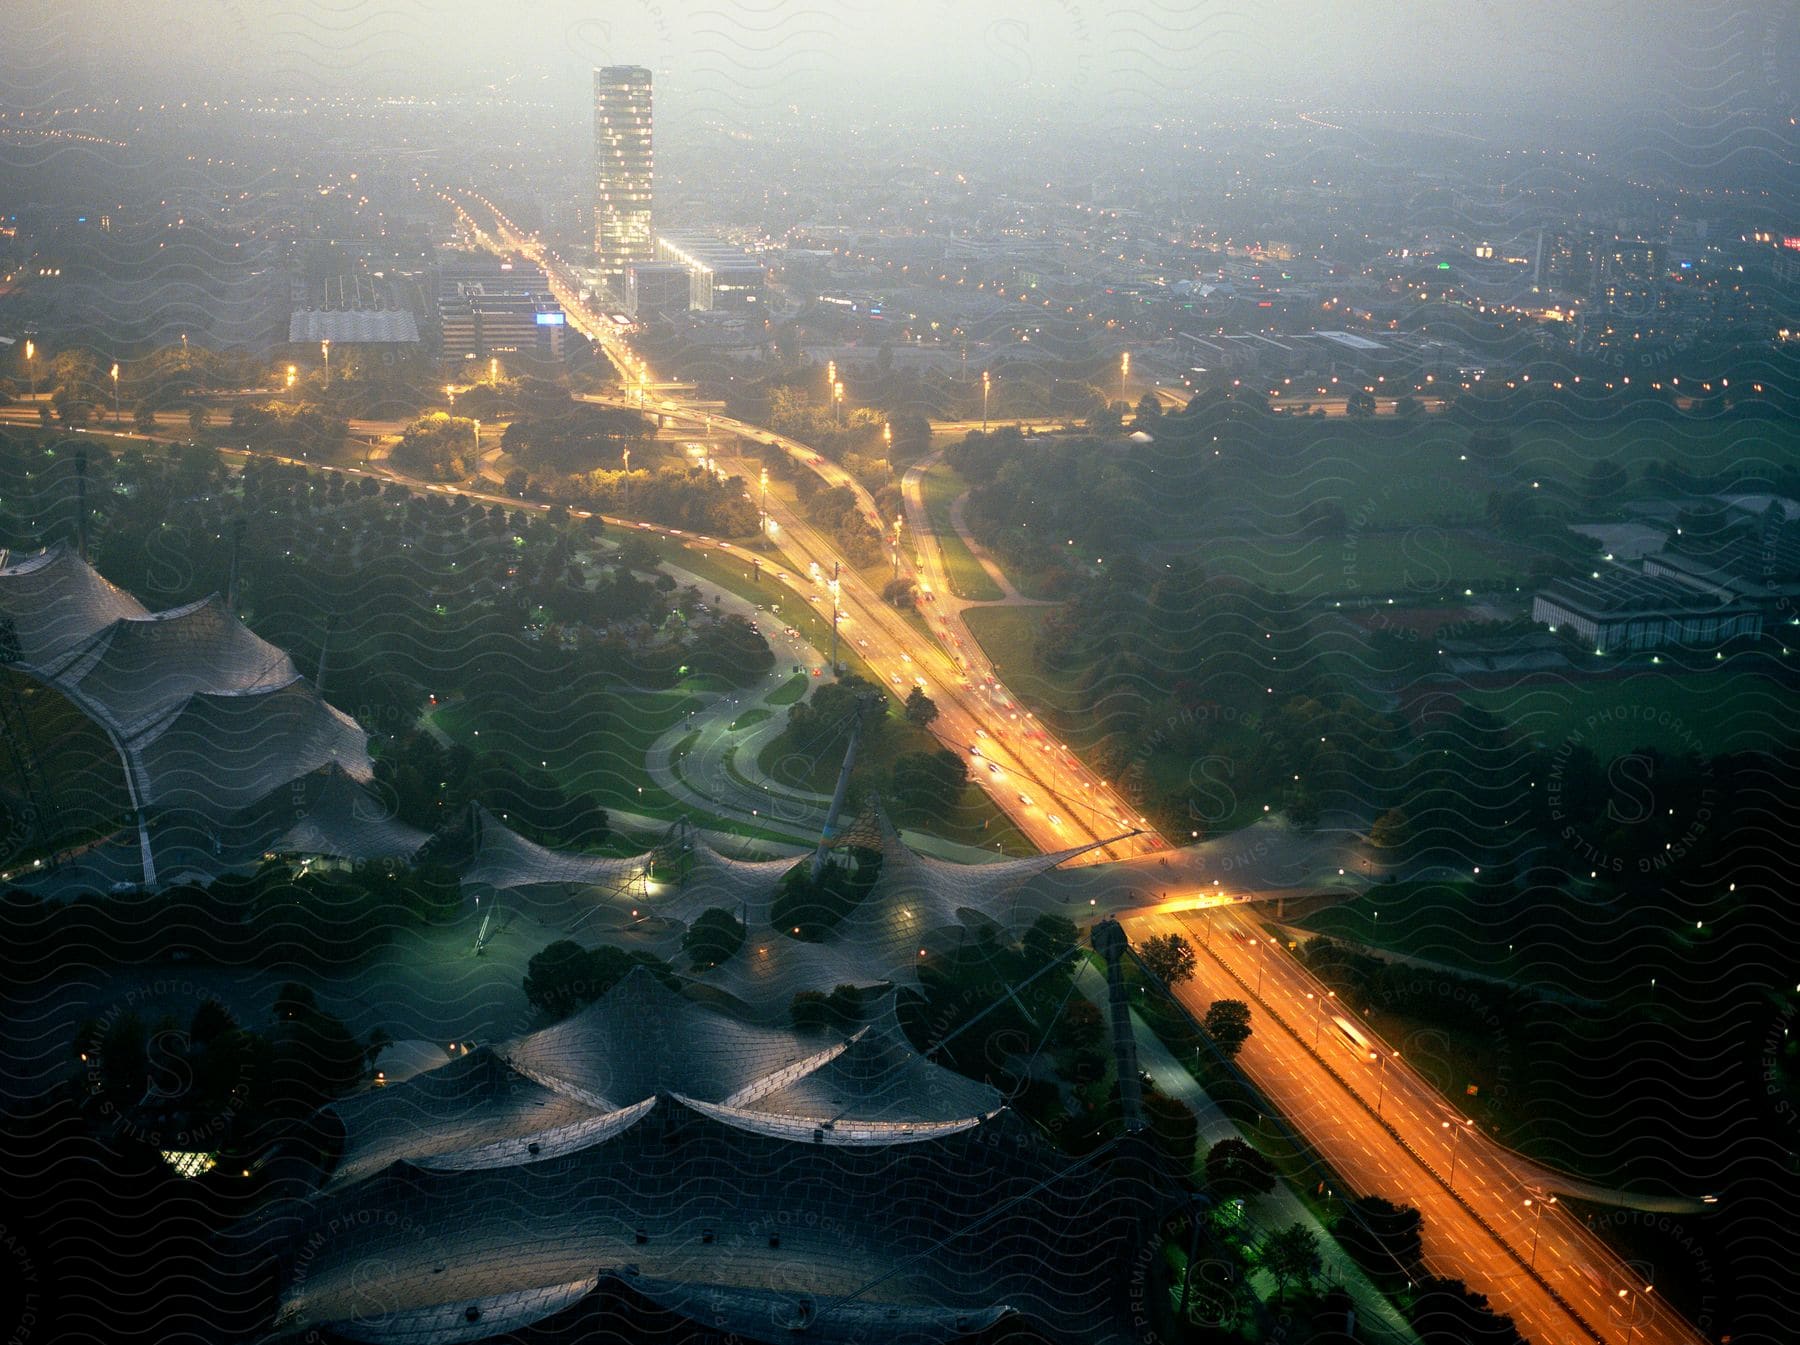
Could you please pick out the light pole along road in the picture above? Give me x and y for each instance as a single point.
(1048, 796)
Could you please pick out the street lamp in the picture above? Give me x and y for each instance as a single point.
(1634, 1300)
(324, 350)
(493, 370)
(450, 392)
(292, 373)
(887, 435)
(899, 523)
(476, 474)
(830, 374)
(115, 379)
(1124, 368)
(184, 350)
(1537, 1221)
(1381, 1079)
(837, 392)
(1318, 1004)
(31, 365)
(763, 507)
(1456, 1134)
(984, 400)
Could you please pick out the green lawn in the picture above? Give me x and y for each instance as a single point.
(939, 487)
(814, 764)
(790, 691)
(1419, 563)
(607, 762)
(1727, 710)
(1008, 636)
(755, 715)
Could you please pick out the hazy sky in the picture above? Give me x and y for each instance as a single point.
(1099, 54)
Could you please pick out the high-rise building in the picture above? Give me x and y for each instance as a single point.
(622, 171)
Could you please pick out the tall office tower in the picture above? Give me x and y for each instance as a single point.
(622, 171)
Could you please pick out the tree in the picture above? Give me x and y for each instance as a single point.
(1235, 1168)
(1051, 936)
(437, 446)
(1170, 957)
(1291, 1255)
(1149, 410)
(1174, 1127)
(564, 976)
(1360, 404)
(197, 417)
(1408, 406)
(143, 418)
(294, 999)
(1381, 1235)
(920, 708)
(1390, 831)
(1448, 1312)
(713, 937)
(929, 783)
(1227, 1022)
(899, 593)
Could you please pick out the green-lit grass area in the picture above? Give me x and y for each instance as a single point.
(607, 762)
(939, 487)
(755, 715)
(789, 691)
(1008, 636)
(813, 763)
(1727, 710)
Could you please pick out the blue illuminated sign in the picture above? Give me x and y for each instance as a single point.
(550, 319)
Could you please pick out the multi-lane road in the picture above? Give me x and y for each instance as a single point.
(1033, 778)
(1489, 1215)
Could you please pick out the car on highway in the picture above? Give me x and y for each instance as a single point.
(981, 733)
(1025, 799)
(993, 768)
(895, 679)
(974, 750)
(1053, 819)
(1355, 1039)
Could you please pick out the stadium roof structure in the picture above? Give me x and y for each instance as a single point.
(580, 1081)
(654, 1151)
(353, 326)
(207, 717)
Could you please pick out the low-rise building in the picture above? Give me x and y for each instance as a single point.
(1621, 610)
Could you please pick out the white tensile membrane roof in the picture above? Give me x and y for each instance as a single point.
(580, 1081)
(208, 718)
(764, 1179)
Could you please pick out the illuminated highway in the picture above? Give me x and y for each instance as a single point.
(1030, 776)
(1489, 1217)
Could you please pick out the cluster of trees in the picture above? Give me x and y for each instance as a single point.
(834, 510)
(816, 1011)
(438, 447)
(430, 785)
(809, 906)
(214, 1078)
(678, 497)
(577, 437)
(927, 786)
(295, 431)
(714, 937)
(564, 977)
